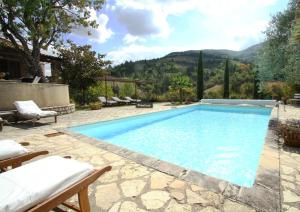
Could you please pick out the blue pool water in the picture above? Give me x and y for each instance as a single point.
(220, 141)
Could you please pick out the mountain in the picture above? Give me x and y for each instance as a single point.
(161, 70)
(188, 60)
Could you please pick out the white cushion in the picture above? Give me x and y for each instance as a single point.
(10, 148)
(31, 110)
(27, 107)
(30, 184)
(46, 113)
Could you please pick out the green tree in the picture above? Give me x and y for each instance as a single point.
(127, 89)
(200, 84)
(278, 59)
(256, 85)
(226, 80)
(32, 25)
(80, 68)
(180, 84)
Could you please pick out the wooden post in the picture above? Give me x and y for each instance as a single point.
(105, 89)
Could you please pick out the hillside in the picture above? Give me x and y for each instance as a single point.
(188, 60)
(185, 63)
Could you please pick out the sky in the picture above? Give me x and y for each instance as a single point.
(145, 29)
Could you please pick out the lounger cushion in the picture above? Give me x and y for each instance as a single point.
(27, 107)
(30, 110)
(30, 184)
(10, 148)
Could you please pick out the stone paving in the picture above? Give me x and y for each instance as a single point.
(131, 186)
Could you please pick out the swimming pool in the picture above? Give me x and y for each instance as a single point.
(220, 141)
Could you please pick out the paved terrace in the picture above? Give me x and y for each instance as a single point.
(131, 186)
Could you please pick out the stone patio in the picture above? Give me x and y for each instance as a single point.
(131, 186)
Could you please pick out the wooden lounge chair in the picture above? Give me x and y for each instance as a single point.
(133, 101)
(45, 184)
(13, 154)
(120, 101)
(30, 111)
(106, 102)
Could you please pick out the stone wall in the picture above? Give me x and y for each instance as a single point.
(62, 109)
(43, 94)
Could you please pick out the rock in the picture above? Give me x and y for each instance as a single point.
(210, 209)
(155, 199)
(112, 157)
(106, 195)
(230, 206)
(289, 196)
(177, 184)
(97, 160)
(213, 199)
(292, 209)
(118, 163)
(195, 188)
(298, 177)
(194, 198)
(287, 170)
(287, 177)
(177, 195)
(132, 188)
(160, 180)
(133, 171)
(288, 185)
(175, 207)
(115, 207)
(110, 177)
(129, 206)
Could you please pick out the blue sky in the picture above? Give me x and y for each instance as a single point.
(145, 29)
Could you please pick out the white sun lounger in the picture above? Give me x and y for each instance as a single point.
(117, 99)
(132, 100)
(44, 184)
(106, 102)
(14, 154)
(29, 110)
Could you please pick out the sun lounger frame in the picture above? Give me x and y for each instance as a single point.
(80, 188)
(17, 161)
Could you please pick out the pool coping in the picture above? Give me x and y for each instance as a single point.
(263, 196)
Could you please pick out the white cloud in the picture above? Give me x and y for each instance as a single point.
(148, 18)
(100, 34)
(142, 18)
(230, 24)
(129, 39)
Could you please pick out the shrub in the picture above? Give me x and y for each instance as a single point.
(93, 92)
(277, 90)
(127, 89)
(95, 106)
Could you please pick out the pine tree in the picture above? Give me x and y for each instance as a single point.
(226, 80)
(200, 85)
(255, 85)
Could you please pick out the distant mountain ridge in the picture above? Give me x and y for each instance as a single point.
(247, 55)
(185, 62)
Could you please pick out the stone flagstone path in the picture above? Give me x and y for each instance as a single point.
(131, 187)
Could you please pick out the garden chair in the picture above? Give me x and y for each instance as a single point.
(120, 101)
(46, 183)
(106, 102)
(29, 110)
(132, 100)
(13, 154)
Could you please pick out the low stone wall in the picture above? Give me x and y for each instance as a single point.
(43, 94)
(62, 109)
